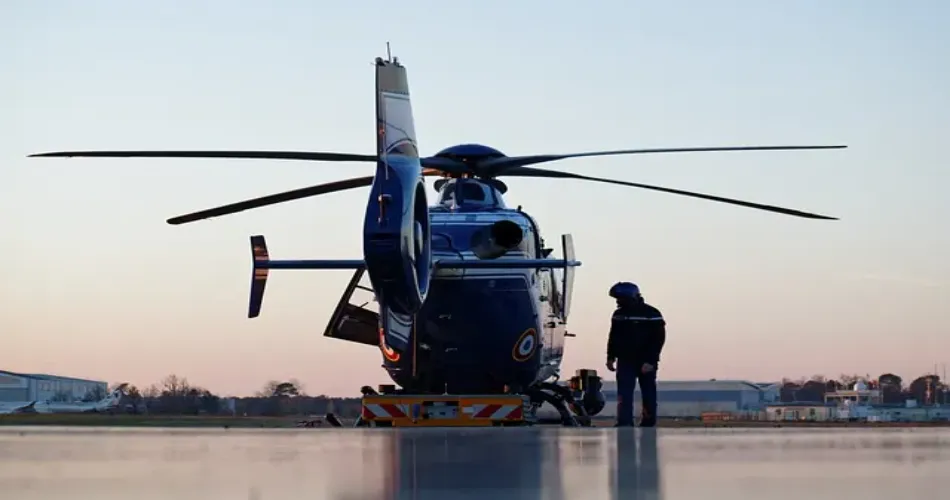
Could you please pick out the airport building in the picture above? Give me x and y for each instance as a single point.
(859, 403)
(690, 399)
(20, 387)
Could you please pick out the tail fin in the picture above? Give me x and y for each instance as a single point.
(396, 130)
(396, 248)
(396, 137)
(398, 279)
(567, 242)
(259, 255)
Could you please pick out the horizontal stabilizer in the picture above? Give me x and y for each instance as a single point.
(263, 264)
(314, 264)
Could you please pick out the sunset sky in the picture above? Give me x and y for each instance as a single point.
(97, 285)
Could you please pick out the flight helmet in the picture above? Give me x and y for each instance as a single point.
(625, 290)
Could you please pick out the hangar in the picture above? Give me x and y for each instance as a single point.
(690, 399)
(20, 387)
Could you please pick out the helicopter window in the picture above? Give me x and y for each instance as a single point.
(454, 237)
(447, 193)
(473, 192)
(538, 247)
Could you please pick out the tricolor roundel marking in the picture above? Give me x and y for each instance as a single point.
(525, 346)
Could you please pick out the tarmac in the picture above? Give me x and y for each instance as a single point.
(500, 463)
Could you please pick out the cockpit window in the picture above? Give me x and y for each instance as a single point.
(472, 192)
(447, 193)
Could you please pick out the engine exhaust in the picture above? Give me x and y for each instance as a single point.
(497, 239)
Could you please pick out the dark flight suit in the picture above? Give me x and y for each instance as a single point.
(637, 335)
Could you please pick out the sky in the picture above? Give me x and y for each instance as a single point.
(97, 285)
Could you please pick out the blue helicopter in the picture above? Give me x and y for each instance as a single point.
(469, 298)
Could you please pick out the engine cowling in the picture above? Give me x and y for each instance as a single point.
(497, 239)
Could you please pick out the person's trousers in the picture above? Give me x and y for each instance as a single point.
(629, 373)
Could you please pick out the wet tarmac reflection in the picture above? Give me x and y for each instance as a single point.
(536, 463)
(523, 463)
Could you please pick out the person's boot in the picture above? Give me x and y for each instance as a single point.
(647, 420)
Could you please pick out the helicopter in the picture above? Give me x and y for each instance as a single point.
(469, 297)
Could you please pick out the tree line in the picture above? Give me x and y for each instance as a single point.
(175, 395)
(925, 389)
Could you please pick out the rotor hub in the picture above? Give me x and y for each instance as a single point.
(470, 155)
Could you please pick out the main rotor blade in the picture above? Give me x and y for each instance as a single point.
(537, 172)
(496, 166)
(273, 199)
(264, 155)
(446, 165)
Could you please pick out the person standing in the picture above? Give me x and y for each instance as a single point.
(636, 338)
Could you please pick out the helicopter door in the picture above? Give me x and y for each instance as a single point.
(567, 241)
(355, 321)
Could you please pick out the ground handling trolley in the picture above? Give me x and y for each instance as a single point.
(389, 408)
